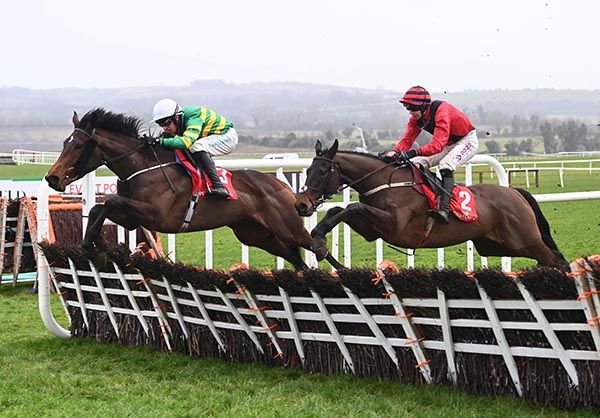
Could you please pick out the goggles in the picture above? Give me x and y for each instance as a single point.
(164, 122)
(413, 108)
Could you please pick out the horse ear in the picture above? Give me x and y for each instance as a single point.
(318, 147)
(334, 148)
(75, 119)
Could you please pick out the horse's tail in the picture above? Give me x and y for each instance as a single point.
(542, 223)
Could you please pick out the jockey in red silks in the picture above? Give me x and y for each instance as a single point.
(454, 141)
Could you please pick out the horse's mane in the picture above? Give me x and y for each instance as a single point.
(364, 154)
(114, 122)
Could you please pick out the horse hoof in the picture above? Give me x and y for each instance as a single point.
(319, 247)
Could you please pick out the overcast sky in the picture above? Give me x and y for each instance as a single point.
(443, 45)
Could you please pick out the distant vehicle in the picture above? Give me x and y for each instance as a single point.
(282, 156)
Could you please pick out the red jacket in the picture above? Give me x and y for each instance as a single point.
(448, 126)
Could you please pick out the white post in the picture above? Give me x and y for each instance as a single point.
(245, 255)
(171, 247)
(470, 249)
(88, 197)
(132, 239)
(378, 251)
(120, 235)
(335, 242)
(347, 233)
(561, 173)
(208, 249)
(44, 284)
(311, 259)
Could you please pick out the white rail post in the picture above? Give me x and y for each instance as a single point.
(43, 269)
(208, 249)
(347, 232)
(245, 255)
(470, 251)
(88, 197)
(171, 246)
(378, 251)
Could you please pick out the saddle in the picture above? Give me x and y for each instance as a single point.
(462, 203)
(200, 183)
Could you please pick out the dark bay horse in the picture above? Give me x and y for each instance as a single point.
(510, 220)
(158, 196)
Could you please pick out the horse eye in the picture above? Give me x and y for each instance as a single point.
(78, 145)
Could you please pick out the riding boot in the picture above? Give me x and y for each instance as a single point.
(206, 163)
(444, 195)
(448, 184)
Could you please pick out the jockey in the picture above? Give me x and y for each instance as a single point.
(454, 141)
(199, 129)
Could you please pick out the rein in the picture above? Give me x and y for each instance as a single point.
(325, 196)
(89, 149)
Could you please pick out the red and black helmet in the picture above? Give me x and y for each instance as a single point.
(416, 96)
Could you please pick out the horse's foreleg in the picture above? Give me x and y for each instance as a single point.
(125, 212)
(93, 237)
(368, 221)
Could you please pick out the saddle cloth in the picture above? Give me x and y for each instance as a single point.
(199, 182)
(462, 203)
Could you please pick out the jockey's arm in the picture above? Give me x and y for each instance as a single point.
(410, 136)
(189, 136)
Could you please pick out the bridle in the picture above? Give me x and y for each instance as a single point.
(321, 190)
(90, 145)
(324, 185)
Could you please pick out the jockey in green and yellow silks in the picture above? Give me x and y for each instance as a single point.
(201, 130)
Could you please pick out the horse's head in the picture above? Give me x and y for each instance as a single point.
(83, 150)
(79, 156)
(322, 180)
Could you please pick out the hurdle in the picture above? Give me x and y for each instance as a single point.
(533, 335)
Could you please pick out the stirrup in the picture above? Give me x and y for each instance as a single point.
(439, 215)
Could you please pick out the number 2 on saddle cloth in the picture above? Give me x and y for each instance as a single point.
(201, 184)
(462, 203)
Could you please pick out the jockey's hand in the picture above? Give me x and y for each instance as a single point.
(152, 141)
(404, 156)
(388, 156)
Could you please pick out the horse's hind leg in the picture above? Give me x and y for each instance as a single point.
(256, 235)
(544, 256)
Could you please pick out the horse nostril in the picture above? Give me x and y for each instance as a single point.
(301, 208)
(52, 180)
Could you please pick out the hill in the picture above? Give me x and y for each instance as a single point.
(40, 119)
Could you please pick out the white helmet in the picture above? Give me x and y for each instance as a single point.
(165, 108)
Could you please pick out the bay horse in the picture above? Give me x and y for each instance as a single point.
(510, 220)
(154, 192)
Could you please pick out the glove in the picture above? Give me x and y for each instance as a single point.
(404, 156)
(152, 141)
(388, 156)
